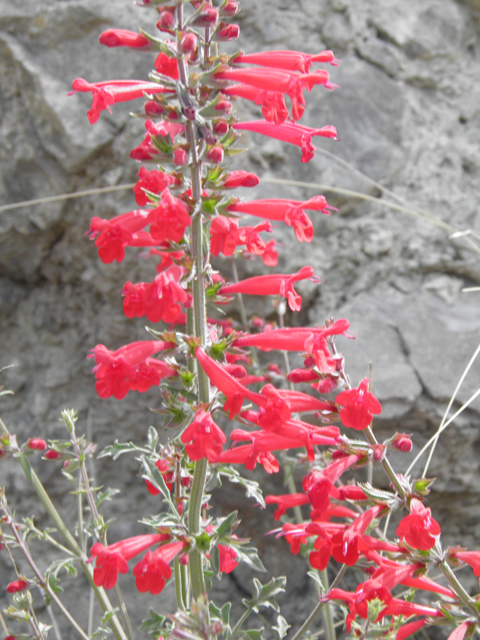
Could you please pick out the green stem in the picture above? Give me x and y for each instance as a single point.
(319, 606)
(386, 465)
(41, 580)
(458, 588)
(67, 536)
(200, 316)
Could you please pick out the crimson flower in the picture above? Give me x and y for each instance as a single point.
(223, 236)
(169, 219)
(292, 212)
(166, 65)
(204, 438)
(157, 300)
(116, 371)
(152, 571)
(472, 558)
(287, 501)
(291, 60)
(123, 38)
(273, 284)
(347, 545)
(292, 133)
(112, 559)
(109, 92)
(273, 104)
(291, 339)
(419, 528)
(270, 255)
(37, 444)
(240, 178)
(154, 181)
(112, 236)
(228, 558)
(359, 405)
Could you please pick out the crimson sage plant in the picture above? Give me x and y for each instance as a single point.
(211, 369)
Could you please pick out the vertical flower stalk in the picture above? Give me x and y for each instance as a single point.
(199, 318)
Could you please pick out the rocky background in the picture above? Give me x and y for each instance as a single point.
(408, 114)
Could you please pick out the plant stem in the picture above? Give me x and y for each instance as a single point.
(458, 588)
(200, 316)
(41, 580)
(319, 606)
(67, 536)
(387, 466)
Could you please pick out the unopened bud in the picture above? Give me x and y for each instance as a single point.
(153, 108)
(166, 22)
(402, 442)
(188, 42)
(206, 18)
(215, 155)
(379, 452)
(37, 444)
(18, 585)
(220, 127)
(180, 157)
(227, 32)
(230, 8)
(51, 455)
(302, 375)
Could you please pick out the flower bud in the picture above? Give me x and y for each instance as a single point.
(224, 106)
(188, 42)
(206, 18)
(180, 157)
(379, 452)
(402, 442)
(274, 368)
(240, 179)
(153, 108)
(326, 386)
(37, 444)
(215, 154)
(302, 375)
(220, 127)
(229, 9)
(227, 32)
(18, 585)
(166, 22)
(51, 455)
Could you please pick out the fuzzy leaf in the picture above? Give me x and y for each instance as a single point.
(251, 487)
(264, 595)
(282, 627)
(153, 626)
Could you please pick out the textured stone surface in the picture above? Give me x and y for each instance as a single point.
(408, 115)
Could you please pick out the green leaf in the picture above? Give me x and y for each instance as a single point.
(227, 525)
(215, 561)
(153, 475)
(251, 487)
(117, 448)
(249, 555)
(282, 627)
(253, 634)
(105, 496)
(153, 626)
(314, 575)
(26, 466)
(152, 439)
(264, 595)
(222, 614)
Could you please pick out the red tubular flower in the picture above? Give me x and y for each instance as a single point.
(16, 586)
(250, 237)
(115, 370)
(123, 38)
(407, 630)
(319, 485)
(107, 93)
(346, 545)
(169, 219)
(270, 255)
(157, 300)
(112, 560)
(166, 65)
(240, 178)
(359, 405)
(228, 558)
(273, 104)
(278, 81)
(274, 284)
(223, 236)
(472, 558)
(289, 211)
(154, 181)
(227, 32)
(112, 236)
(460, 631)
(292, 133)
(287, 501)
(419, 528)
(291, 339)
(290, 60)
(152, 571)
(227, 384)
(204, 439)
